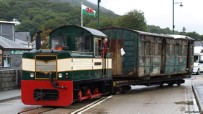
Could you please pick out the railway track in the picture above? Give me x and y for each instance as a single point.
(38, 110)
(64, 110)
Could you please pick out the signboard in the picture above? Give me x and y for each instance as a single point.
(17, 52)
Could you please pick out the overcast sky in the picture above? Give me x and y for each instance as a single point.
(159, 12)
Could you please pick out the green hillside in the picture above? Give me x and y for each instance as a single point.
(78, 3)
(37, 15)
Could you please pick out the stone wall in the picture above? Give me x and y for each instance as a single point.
(9, 79)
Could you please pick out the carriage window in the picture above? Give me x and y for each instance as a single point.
(191, 49)
(142, 48)
(159, 48)
(147, 48)
(185, 50)
(180, 50)
(152, 48)
(176, 49)
(168, 49)
(172, 49)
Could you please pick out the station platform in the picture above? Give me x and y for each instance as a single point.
(9, 95)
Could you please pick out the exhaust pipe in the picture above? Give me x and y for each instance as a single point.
(38, 40)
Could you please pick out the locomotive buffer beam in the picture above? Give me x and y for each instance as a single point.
(55, 84)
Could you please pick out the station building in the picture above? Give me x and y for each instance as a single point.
(10, 56)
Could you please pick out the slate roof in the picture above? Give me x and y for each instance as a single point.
(25, 36)
(7, 22)
(7, 44)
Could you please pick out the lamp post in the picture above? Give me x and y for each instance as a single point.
(98, 15)
(181, 5)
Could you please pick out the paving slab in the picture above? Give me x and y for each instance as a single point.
(9, 95)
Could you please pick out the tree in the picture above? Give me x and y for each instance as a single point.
(133, 20)
(45, 38)
(104, 22)
(153, 29)
(194, 35)
(28, 25)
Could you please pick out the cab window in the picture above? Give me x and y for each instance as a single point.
(83, 44)
(58, 42)
(97, 45)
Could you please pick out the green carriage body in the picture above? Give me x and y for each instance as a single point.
(148, 58)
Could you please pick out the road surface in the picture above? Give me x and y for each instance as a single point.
(141, 100)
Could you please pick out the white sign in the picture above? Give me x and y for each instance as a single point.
(122, 51)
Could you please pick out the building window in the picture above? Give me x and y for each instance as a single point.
(7, 61)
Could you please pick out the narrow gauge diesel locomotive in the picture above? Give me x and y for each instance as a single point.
(78, 68)
(73, 70)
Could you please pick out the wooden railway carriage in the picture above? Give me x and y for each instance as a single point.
(141, 58)
(73, 70)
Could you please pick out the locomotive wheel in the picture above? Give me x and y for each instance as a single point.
(79, 95)
(96, 91)
(88, 93)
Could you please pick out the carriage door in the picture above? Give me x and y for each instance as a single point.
(163, 56)
(115, 49)
(147, 57)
